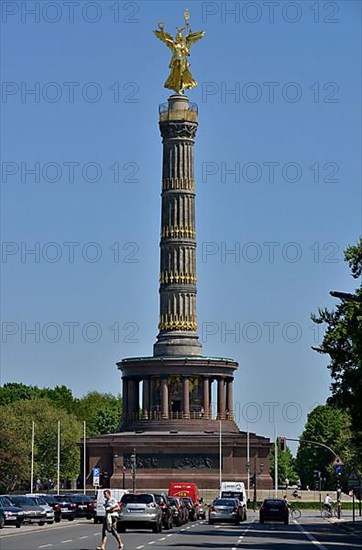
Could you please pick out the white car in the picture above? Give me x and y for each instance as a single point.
(99, 505)
(39, 501)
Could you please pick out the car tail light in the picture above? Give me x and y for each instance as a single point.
(57, 506)
(212, 509)
(235, 509)
(72, 505)
(91, 505)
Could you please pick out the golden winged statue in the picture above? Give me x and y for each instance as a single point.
(180, 78)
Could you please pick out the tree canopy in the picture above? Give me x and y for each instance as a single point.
(342, 341)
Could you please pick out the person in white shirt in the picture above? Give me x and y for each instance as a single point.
(328, 503)
(110, 519)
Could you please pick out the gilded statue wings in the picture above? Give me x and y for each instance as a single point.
(193, 37)
(165, 37)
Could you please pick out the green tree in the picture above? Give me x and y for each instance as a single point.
(342, 341)
(100, 411)
(16, 421)
(286, 466)
(331, 426)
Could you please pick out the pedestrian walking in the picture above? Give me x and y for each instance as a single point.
(111, 507)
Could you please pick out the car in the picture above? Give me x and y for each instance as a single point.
(166, 509)
(180, 513)
(39, 500)
(51, 500)
(85, 506)
(201, 510)
(2, 518)
(225, 510)
(191, 508)
(12, 515)
(68, 509)
(32, 512)
(274, 510)
(139, 510)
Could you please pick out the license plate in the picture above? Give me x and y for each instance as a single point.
(133, 511)
(82, 506)
(274, 510)
(64, 509)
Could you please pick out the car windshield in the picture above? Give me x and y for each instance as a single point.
(5, 501)
(23, 501)
(50, 499)
(141, 499)
(224, 502)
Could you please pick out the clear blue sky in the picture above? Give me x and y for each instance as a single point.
(98, 85)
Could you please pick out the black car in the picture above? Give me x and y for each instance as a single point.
(164, 504)
(32, 512)
(68, 509)
(274, 510)
(12, 515)
(84, 505)
(179, 511)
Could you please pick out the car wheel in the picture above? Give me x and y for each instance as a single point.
(2, 522)
(41, 523)
(95, 520)
(58, 520)
(70, 519)
(261, 521)
(211, 522)
(19, 524)
(155, 528)
(50, 522)
(237, 522)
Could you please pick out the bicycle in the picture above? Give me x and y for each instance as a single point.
(295, 512)
(332, 512)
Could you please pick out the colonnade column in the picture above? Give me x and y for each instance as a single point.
(146, 398)
(206, 397)
(186, 397)
(164, 397)
(130, 400)
(124, 397)
(229, 398)
(136, 399)
(221, 398)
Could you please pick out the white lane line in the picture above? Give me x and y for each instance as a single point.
(163, 538)
(139, 547)
(45, 545)
(152, 542)
(66, 541)
(85, 537)
(168, 535)
(310, 537)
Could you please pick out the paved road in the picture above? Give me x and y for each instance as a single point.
(309, 532)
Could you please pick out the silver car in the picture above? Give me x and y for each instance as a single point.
(225, 510)
(139, 511)
(39, 501)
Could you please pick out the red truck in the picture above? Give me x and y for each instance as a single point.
(181, 489)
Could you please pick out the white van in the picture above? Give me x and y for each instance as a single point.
(99, 504)
(235, 489)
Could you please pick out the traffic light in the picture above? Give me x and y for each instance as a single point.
(282, 445)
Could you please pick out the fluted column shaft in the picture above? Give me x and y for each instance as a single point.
(206, 396)
(221, 398)
(186, 397)
(146, 398)
(164, 397)
(229, 399)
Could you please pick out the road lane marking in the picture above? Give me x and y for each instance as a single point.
(163, 538)
(152, 542)
(139, 547)
(85, 537)
(169, 535)
(66, 541)
(310, 537)
(45, 545)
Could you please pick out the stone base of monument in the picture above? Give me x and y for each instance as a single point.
(162, 457)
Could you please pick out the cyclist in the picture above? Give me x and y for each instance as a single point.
(328, 503)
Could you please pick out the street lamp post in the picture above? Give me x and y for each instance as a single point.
(133, 465)
(124, 477)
